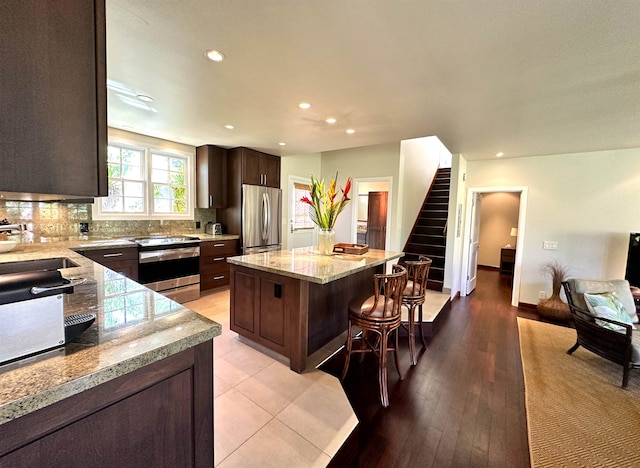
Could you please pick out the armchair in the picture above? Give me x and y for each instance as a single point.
(621, 344)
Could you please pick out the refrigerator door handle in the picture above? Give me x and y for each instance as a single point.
(266, 216)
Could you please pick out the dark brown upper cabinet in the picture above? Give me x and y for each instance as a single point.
(211, 168)
(53, 99)
(259, 168)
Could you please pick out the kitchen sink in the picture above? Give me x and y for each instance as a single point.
(36, 265)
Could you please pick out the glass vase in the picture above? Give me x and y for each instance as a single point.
(326, 240)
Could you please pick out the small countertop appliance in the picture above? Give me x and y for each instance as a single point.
(32, 312)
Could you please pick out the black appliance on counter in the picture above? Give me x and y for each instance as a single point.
(170, 265)
(32, 313)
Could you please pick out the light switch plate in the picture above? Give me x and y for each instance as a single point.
(550, 245)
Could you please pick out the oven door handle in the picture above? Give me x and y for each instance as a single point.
(168, 254)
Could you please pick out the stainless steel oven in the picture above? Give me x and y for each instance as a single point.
(170, 266)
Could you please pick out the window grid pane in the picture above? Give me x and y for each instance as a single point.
(169, 184)
(126, 180)
(301, 218)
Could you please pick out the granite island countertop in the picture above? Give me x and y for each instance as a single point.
(308, 264)
(135, 326)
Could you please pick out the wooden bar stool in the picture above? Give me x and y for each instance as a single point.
(378, 314)
(412, 297)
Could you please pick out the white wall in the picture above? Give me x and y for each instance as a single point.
(299, 166)
(369, 161)
(419, 161)
(498, 214)
(587, 202)
(455, 229)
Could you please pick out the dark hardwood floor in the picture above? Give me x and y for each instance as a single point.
(462, 405)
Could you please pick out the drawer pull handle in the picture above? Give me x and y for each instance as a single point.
(218, 259)
(218, 277)
(218, 245)
(119, 254)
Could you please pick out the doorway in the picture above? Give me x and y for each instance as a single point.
(371, 220)
(471, 238)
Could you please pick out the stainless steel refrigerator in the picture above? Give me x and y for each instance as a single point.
(261, 219)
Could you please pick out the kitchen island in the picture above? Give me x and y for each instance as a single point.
(135, 389)
(294, 302)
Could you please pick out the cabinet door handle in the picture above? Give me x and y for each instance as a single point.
(218, 259)
(119, 254)
(265, 179)
(218, 245)
(210, 200)
(218, 277)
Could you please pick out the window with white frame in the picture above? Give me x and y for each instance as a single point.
(146, 183)
(301, 218)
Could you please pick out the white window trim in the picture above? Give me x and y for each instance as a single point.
(99, 215)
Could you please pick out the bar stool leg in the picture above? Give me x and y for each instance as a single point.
(382, 370)
(397, 359)
(412, 335)
(348, 349)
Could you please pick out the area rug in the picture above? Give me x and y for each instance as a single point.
(577, 414)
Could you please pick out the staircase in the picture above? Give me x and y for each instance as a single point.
(428, 236)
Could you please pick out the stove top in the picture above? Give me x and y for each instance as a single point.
(154, 241)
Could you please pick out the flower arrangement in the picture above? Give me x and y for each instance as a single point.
(323, 206)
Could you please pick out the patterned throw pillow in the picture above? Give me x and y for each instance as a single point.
(607, 305)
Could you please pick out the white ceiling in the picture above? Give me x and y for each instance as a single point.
(526, 77)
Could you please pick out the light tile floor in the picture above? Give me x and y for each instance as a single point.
(265, 414)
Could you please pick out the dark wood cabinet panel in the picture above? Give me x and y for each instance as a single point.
(270, 168)
(272, 311)
(159, 415)
(507, 260)
(211, 163)
(259, 168)
(122, 260)
(246, 166)
(262, 307)
(244, 301)
(214, 270)
(53, 139)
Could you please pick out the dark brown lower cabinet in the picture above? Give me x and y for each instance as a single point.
(262, 306)
(160, 415)
(120, 260)
(291, 316)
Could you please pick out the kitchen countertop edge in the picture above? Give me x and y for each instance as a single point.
(257, 262)
(157, 343)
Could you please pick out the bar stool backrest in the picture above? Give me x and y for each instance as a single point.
(418, 275)
(388, 292)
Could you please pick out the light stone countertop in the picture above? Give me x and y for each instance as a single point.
(134, 327)
(308, 264)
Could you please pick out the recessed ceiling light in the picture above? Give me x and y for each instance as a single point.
(229, 127)
(282, 143)
(350, 131)
(144, 98)
(331, 120)
(500, 154)
(304, 105)
(214, 55)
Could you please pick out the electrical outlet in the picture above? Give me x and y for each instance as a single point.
(550, 245)
(542, 294)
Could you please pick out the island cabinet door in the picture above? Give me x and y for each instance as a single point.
(262, 307)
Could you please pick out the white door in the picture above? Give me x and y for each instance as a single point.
(472, 269)
(297, 235)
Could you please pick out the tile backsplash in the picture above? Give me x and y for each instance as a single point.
(45, 220)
